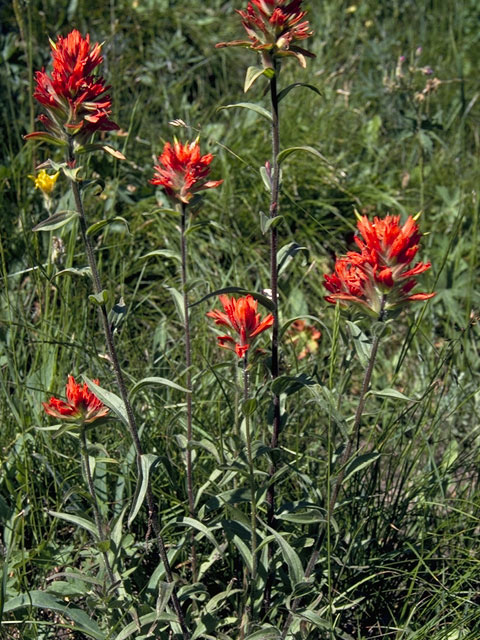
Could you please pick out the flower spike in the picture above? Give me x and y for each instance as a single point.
(242, 318)
(274, 27)
(82, 406)
(379, 276)
(76, 101)
(182, 171)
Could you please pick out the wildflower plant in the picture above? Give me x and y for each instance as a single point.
(78, 107)
(76, 101)
(182, 172)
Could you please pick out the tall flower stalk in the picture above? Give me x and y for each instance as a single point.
(182, 172)
(241, 318)
(376, 280)
(77, 106)
(81, 409)
(274, 28)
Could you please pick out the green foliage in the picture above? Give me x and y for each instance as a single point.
(358, 131)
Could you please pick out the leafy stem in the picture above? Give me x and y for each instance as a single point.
(188, 384)
(93, 495)
(132, 426)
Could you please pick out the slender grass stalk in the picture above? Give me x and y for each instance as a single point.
(188, 385)
(97, 286)
(275, 183)
(93, 494)
(342, 466)
(253, 498)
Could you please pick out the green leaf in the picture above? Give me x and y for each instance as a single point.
(78, 520)
(295, 569)
(147, 462)
(95, 228)
(266, 222)
(267, 632)
(83, 623)
(286, 152)
(40, 136)
(178, 300)
(164, 253)
(390, 393)
(253, 73)
(58, 220)
(115, 403)
(101, 298)
(249, 406)
(146, 382)
(82, 272)
(196, 524)
(72, 174)
(359, 463)
(253, 107)
(291, 384)
(266, 302)
(362, 343)
(286, 254)
(286, 91)
(149, 618)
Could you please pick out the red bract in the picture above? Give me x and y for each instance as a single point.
(378, 278)
(242, 318)
(274, 26)
(76, 101)
(82, 406)
(182, 171)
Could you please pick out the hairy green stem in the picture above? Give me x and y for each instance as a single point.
(188, 385)
(275, 192)
(251, 473)
(132, 425)
(93, 495)
(343, 467)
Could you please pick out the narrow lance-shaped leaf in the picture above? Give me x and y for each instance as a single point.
(147, 462)
(252, 107)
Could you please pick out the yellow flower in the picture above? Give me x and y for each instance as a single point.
(44, 182)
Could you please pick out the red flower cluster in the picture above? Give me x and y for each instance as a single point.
(274, 26)
(378, 278)
(82, 406)
(76, 100)
(182, 171)
(242, 318)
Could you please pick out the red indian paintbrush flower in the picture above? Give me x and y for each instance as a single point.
(274, 26)
(82, 406)
(242, 318)
(379, 277)
(182, 171)
(76, 101)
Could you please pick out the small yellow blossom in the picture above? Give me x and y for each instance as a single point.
(44, 182)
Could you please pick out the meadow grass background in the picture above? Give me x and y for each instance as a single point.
(402, 561)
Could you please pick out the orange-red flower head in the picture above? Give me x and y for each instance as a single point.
(242, 318)
(182, 171)
(379, 278)
(76, 101)
(274, 27)
(82, 406)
